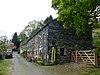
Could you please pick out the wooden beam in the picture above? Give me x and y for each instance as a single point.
(76, 56)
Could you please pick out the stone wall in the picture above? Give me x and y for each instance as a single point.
(59, 37)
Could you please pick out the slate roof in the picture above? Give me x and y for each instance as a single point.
(39, 30)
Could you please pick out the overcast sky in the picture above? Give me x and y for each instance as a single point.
(15, 14)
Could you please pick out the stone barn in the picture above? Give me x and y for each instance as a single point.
(53, 35)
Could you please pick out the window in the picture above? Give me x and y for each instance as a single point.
(36, 52)
(61, 51)
(40, 53)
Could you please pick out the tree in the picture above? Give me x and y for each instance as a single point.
(36, 25)
(32, 27)
(3, 47)
(3, 43)
(78, 14)
(22, 36)
(3, 39)
(15, 40)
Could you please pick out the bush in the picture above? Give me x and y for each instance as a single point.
(18, 51)
(97, 51)
(96, 42)
(24, 54)
(1, 57)
(1, 54)
(40, 62)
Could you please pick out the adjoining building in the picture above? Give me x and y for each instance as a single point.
(53, 42)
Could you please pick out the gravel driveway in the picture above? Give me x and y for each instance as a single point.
(21, 67)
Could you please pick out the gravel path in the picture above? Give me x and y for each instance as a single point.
(65, 69)
(22, 67)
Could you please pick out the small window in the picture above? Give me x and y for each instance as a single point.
(61, 51)
(36, 52)
(43, 36)
(40, 53)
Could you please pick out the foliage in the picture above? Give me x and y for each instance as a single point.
(24, 54)
(3, 39)
(15, 40)
(97, 51)
(18, 50)
(39, 61)
(78, 14)
(32, 27)
(96, 31)
(35, 59)
(22, 36)
(3, 47)
(97, 25)
(96, 38)
(96, 42)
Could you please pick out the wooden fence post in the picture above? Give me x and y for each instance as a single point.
(76, 56)
(96, 60)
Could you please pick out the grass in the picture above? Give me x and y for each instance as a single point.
(4, 65)
(91, 71)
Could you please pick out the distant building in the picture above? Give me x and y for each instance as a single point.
(11, 45)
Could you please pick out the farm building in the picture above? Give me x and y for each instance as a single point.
(54, 43)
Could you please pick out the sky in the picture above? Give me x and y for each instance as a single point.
(15, 14)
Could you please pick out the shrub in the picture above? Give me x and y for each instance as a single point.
(18, 51)
(97, 51)
(24, 54)
(96, 42)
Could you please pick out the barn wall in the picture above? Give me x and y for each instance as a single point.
(41, 43)
(67, 39)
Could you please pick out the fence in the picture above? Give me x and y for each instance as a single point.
(98, 61)
(87, 56)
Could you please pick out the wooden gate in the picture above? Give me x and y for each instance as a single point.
(98, 61)
(87, 56)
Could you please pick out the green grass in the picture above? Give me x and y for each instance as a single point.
(91, 71)
(4, 67)
(96, 41)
